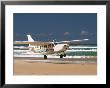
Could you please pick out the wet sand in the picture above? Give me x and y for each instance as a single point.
(23, 67)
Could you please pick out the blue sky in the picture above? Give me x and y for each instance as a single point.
(59, 26)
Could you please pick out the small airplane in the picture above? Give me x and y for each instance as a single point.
(46, 48)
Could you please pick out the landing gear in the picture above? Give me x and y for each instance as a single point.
(61, 56)
(64, 55)
(45, 57)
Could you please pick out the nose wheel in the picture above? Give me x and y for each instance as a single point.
(64, 55)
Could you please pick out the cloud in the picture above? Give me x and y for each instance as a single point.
(66, 33)
(84, 32)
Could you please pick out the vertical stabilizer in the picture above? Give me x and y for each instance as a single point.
(30, 38)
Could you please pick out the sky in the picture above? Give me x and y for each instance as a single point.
(55, 26)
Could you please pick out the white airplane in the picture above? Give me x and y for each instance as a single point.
(47, 48)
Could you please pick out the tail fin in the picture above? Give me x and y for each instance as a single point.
(30, 38)
(54, 43)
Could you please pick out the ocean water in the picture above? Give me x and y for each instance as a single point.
(71, 52)
(72, 56)
(81, 53)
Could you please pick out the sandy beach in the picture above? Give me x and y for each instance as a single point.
(23, 67)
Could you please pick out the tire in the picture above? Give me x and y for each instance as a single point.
(61, 56)
(64, 55)
(45, 57)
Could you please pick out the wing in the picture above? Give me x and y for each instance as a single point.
(72, 41)
(32, 43)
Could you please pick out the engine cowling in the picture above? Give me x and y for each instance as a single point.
(61, 47)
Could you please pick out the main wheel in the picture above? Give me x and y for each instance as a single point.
(45, 57)
(61, 56)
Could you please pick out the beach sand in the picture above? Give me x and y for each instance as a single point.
(21, 67)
